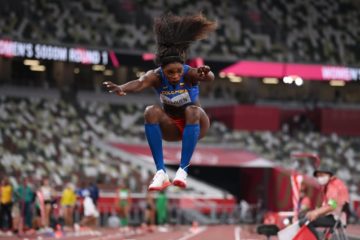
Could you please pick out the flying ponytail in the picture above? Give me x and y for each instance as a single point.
(174, 34)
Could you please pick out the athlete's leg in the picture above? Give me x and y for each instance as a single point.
(158, 126)
(197, 123)
(204, 123)
(191, 135)
(154, 114)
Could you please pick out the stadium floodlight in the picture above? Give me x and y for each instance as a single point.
(31, 62)
(337, 83)
(299, 81)
(98, 68)
(270, 80)
(222, 75)
(293, 79)
(230, 74)
(235, 79)
(286, 221)
(38, 68)
(288, 79)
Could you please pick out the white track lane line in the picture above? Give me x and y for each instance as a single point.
(188, 236)
(237, 233)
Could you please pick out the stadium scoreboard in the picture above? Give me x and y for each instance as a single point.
(38, 51)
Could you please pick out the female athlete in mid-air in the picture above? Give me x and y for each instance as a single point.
(180, 117)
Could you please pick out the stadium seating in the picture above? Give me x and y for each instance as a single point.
(48, 137)
(340, 152)
(264, 30)
(34, 123)
(43, 137)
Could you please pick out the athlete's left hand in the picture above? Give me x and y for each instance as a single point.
(203, 71)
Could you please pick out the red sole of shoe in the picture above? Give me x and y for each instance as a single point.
(179, 184)
(160, 188)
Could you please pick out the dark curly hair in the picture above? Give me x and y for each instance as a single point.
(174, 34)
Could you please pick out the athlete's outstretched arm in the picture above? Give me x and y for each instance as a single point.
(201, 74)
(149, 79)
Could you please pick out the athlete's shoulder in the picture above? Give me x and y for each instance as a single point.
(186, 68)
(153, 72)
(153, 76)
(156, 70)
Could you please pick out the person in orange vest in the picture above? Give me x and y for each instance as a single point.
(335, 198)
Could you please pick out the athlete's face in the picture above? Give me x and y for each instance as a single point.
(173, 72)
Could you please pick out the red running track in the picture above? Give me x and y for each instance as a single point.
(217, 232)
(226, 232)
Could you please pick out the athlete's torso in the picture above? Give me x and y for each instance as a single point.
(175, 98)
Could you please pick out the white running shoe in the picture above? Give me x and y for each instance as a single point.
(160, 181)
(180, 178)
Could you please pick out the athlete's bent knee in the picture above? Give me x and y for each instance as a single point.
(192, 114)
(152, 114)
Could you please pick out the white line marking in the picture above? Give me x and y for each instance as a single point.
(188, 236)
(237, 233)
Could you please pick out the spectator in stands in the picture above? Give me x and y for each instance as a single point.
(150, 211)
(181, 117)
(90, 212)
(17, 216)
(39, 214)
(134, 180)
(6, 192)
(161, 208)
(68, 201)
(48, 195)
(174, 212)
(25, 197)
(335, 200)
(80, 188)
(94, 192)
(245, 211)
(123, 202)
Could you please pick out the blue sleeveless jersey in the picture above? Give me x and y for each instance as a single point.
(180, 95)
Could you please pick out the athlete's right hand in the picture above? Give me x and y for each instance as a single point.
(114, 88)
